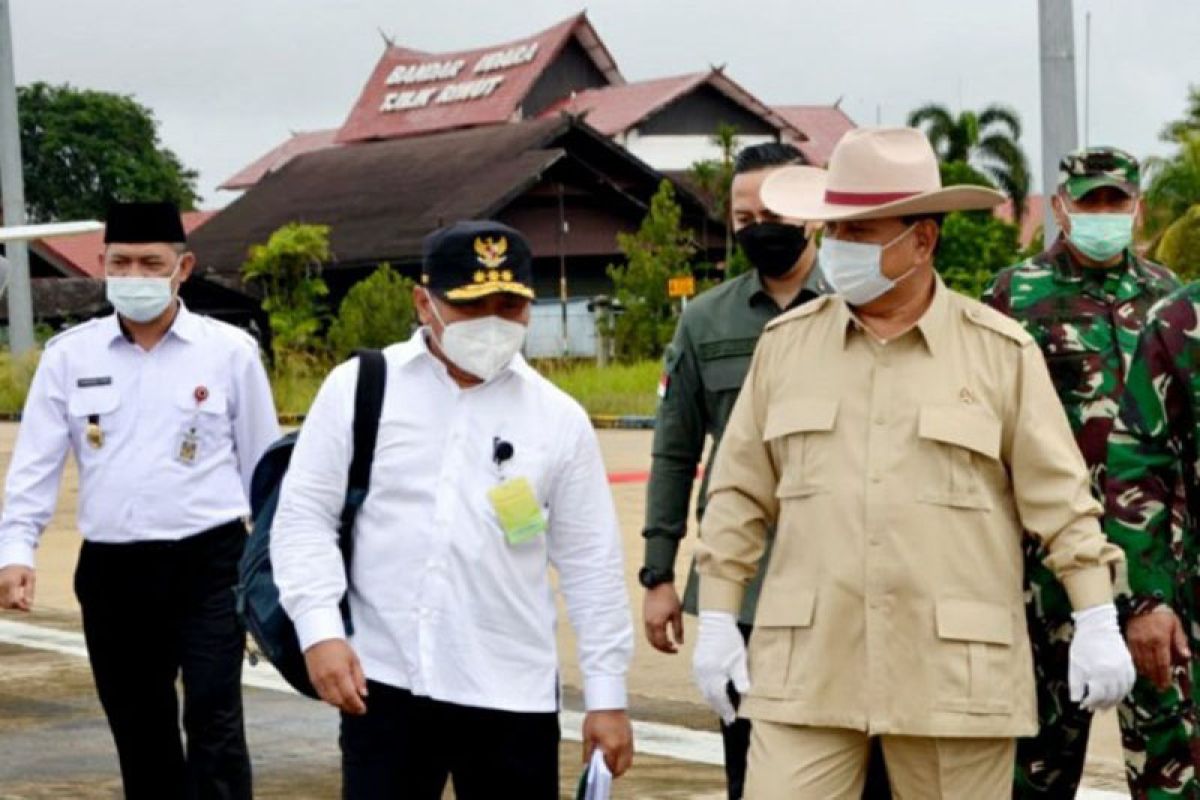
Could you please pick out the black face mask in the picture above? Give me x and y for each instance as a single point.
(772, 247)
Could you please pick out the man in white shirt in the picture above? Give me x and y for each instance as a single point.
(484, 476)
(166, 413)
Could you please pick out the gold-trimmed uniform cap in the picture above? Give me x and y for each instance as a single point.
(472, 259)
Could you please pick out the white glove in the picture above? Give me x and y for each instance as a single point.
(720, 657)
(1101, 669)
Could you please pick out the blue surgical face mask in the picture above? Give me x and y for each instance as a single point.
(1101, 237)
(855, 269)
(138, 298)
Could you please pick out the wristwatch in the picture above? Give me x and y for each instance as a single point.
(649, 577)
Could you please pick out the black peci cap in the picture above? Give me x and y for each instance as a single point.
(144, 223)
(476, 258)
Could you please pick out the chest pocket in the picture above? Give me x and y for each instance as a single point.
(958, 442)
(1080, 352)
(800, 434)
(100, 403)
(210, 418)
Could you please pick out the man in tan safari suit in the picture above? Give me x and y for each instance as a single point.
(902, 437)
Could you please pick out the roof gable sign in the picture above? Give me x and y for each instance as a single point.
(411, 93)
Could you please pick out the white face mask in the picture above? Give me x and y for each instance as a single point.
(481, 347)
(855, 269)
(141, 299)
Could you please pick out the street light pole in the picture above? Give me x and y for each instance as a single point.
(1056, 44)
(12, 190)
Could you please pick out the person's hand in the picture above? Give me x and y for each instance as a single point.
(1157, 640)
(663, 615)
(720, 657)
(337, 675)
(16, 587)
(1100, 671)
(612, 733)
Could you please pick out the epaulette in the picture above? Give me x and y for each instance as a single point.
(993, 320)
(240, 335)
(808, 309)
(71, 331)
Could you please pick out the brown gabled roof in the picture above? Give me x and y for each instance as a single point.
(366, 120)
(381, 198)
(276, 157)
(823, 126)
(76, 255)
(613, 110)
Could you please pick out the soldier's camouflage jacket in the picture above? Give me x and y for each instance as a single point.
(1086, 322)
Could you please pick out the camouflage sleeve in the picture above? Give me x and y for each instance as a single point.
(997, 294)
(1145, 450)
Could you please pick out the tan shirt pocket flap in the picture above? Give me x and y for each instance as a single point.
(804, 415)
(974, 621)
(974, 429)
(786, 609)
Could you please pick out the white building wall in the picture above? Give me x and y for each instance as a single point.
(676, 153)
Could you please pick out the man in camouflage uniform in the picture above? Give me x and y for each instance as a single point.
(1152, 507)
(1085, 301)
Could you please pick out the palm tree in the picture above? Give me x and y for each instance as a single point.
(1174, 185)
(989, 140)
(1178, 130)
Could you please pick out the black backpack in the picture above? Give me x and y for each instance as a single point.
(257, 596)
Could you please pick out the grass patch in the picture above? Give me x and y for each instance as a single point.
(618, 389)
(15, 376)
(295, 381)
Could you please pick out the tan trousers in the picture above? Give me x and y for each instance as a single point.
(805, 763)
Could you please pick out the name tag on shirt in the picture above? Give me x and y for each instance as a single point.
(517, 510)
(85, 383)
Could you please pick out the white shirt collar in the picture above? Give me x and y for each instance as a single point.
(185, 326)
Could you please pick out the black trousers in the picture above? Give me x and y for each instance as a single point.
(154, 611)
(407, 746)
(736, 741)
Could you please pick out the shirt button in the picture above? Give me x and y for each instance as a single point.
(876, 478)
(880, 420)
(876, 541)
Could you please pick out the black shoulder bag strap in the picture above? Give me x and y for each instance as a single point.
(368, 405)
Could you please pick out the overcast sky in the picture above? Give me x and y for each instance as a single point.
(228, 79)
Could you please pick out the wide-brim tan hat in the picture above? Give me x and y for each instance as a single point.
(873, 173)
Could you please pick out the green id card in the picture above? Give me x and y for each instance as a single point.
(517, 510)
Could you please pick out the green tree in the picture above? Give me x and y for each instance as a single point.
(989, 140)
(1179, 248)
(973, 248)
(713, 177)
(83, 149)
(287, 270)
(375, 313)
(1174, 185)
(661, 248)
(959, 173)
(1180, 129)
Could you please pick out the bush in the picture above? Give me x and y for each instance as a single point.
(376, 312)
(662, 248)
(1179, 248)
(288, 270)
(973, 248)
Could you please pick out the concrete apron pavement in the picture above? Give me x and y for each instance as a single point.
(54, 742)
